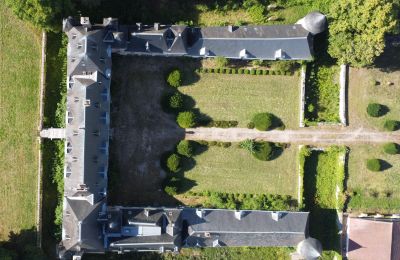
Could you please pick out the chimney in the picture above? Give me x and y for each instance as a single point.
(147, 212)
(230, 28)
(275, 215)
(156, 26)
(200, 213)
(139, 26)
(238, 214)
(86, 22)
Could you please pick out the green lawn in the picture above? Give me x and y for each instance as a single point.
(234, 170)
(373, 191)
(239, 97)
(363, 90)
(19, 115)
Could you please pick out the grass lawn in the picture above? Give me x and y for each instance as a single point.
(373, 191)
(239, 97)
(19, 115)
(362, 91)
(234, 170)
(323, 173)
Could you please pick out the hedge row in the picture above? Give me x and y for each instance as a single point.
(223, 124)
(243, 71)
(215, 143)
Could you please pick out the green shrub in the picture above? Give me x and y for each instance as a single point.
(249, 145)
(266, 72)
(212, 143)
(174, 78)
(257, 13)
(278, 72)
(205, 70)
(257, 63)
(176, 101)
(250, 125)
(228, 71)
(241, 71)
(200, 70)
(375, 109)
(374, 165)
(223, 71)
(223, 124)
(234, 71)
(226, 144)
(264, 151)
(285, 65)
(185, 148)
(391, 125)
(263, 121)
(171, 190)
(391, 148)
(173, 163)
(246, 71)
(259, 72)
(186, 119)
(211, 70)
(221, 62)
(253, 72)
(272, 72)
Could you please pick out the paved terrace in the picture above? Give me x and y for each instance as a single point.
(303, 136)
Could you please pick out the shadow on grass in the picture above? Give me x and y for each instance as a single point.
(385, 165)
(21, 245)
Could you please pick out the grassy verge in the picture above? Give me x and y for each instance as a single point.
(234, 170)
(19, 116)
(373, 191)
(323, 186)
(53, 151)
(239, 97)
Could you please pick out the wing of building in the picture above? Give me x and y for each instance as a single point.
(89, 224)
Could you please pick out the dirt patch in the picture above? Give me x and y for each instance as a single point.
(142, 132)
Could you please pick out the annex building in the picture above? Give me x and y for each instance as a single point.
(90, 225)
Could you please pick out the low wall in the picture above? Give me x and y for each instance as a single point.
(342, 97)
(302, 94)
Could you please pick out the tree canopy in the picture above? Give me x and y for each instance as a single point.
(357, 29)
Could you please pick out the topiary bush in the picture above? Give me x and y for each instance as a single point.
(185, 148)
(264, 151)
(186, 119)
(173, 162)
(174, 78)
(391, 148)
(171, 186)
(263, 121)
(374, 165)
(391, 125)
(375, 110)
(176, 101)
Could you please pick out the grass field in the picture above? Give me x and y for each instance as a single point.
(373, 191)
(239, 97)
(234, 170)
(363, 90)
(19, 115)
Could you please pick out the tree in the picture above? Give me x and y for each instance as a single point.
(176, 101)
(185, 148)
(221, 62)
(375, 110)
(173, 163)
(263, 121)
(249, 145)
(174, 78)
(391, 125)
(374, 165)
(186, 119)
(357, 29)
(391, 148)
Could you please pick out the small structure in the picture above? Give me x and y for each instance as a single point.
(309, 249)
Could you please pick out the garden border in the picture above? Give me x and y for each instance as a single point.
(302, 94)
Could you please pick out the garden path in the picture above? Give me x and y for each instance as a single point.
(302, 136)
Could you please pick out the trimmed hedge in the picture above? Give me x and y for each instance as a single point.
(223, 124)
(374, 165)
(174, 78)
(173, 163)
(243, 71)
(391, 148)
(391, 125)
(375, 109)
(186, 119)
(185, 148)
(263, 121)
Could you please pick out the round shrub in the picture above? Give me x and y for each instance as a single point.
(375, 110)
(221, 62)
(171, 190)
(264, 151)
(250, 125)
(176, 101)
(391, 125)
(173, 162)
(263, 121)
(391, 148)
(172, 186)
(185, 148)
(186, 119)
(374, 165)
(174, 78)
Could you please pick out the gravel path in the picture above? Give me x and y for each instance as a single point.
(303, 136)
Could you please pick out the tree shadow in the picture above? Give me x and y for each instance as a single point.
(277, 123)
(384, 110)
(22, 245)
(385, 165)
(389, 60)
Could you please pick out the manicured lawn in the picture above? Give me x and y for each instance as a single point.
(363, 90)
(373, 191)
(19, 115)
(239, 97)
(234, 170)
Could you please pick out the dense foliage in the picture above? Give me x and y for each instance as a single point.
(391, 125)
(263, 121)
(357, 29)
(374, 165)
(174, 162)
(391, 148)
(174, 78)
(186, 119)
(185, 148)
(221, 62)
(375, 109)
(264, 151)
(249, 145)
(176, 101)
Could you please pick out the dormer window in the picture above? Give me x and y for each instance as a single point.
(73, 59)
(73, 36)
(87, 102)
(79, 45)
